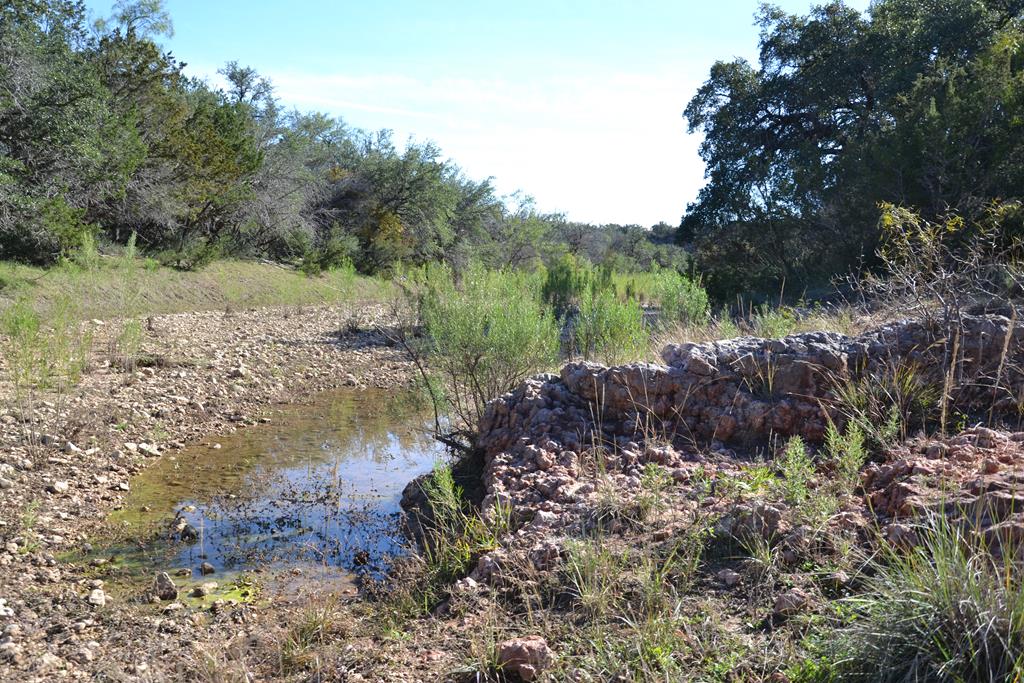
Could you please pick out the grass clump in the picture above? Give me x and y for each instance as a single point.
(773, 322)
(883, 406)
(629, 616)
(315, 625)
(454, 536)
(946, 610)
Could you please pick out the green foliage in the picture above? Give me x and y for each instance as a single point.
(569, 281)
(564, 282)
(43, 353)
(483, 335)
(609, 330)
(192, 254)
(454, 535)
(917, 104)
(847, 454)
(797, 468)
(682, 299)
(335, 253)
(945, 610)
(773, 323)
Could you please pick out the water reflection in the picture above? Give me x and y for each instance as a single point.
(319, 486)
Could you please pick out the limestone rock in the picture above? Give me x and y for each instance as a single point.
(164, 588)
(791, 602)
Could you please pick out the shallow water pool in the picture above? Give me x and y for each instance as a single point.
(317, 488)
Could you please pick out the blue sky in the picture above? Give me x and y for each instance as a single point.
(576, 103)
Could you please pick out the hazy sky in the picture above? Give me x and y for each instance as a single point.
(576, 103)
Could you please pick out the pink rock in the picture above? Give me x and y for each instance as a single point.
(528, 657)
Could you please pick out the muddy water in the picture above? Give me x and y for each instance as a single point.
(316, 490)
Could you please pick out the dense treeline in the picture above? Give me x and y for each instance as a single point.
(102, 135)
(914, 103)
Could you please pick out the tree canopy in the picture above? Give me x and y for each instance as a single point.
(916, 103)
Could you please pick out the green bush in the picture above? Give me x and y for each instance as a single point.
(847, 453)
(336, 253)
(192, 254)
(484, 335)
(609, 330)
(797, 469)
(681, 299)
(568, 281)
(43, 353)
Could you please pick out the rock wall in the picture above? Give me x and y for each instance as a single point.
(724, 395)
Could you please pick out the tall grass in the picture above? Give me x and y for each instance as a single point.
(947, 610)
(125, 345)
(44, 356)
(570, 280)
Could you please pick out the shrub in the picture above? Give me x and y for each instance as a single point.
(43, 355)
(569, 281)
(609, 330)
(682, 299)
(335, 253)
(193, 254)
(483, 336)
(847, 453)
(797, 468)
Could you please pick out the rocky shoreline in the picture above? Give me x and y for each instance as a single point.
(200, 375)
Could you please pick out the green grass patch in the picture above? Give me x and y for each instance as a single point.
(99, 289)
